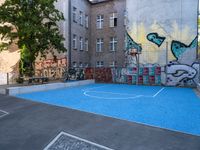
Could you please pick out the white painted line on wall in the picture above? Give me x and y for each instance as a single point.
(158, 92)
(78, 138)
(5, 113)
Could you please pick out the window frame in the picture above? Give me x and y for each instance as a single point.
(74, 42)
(99, 45)
(81, 18)
(99, 21)
(113, 20)
(81, 43)
(74, 14)
(113, 44)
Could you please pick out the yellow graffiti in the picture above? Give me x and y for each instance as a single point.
(152, 53)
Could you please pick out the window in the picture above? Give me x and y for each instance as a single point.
(113, 64)
(81, 18)
(74, 64)
(86, 21)
(99, 64)
(99, 22)
(86, 65)
(81, 43)
(74, 14)
(113, 44)
(125, 17)
(113, 20)
(86, 45)
(99, 45)
(74, 42)
(80, 64)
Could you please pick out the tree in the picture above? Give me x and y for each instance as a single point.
(32, 25)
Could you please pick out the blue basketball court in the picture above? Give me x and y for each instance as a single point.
(176, 109)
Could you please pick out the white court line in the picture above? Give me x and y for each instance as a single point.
(78, 138)
(129, 96)
(5, 113)
(88, 95)
(94, 88)
(158, 92)
(112, 93)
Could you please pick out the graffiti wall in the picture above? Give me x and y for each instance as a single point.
(99, 74)
(51, 68)
(167, 33)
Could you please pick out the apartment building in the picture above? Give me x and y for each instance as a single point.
(107, 33)
(96, 33)
(79, 33)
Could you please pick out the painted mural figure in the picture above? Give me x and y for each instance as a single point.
(132, 49)
(184, 70)
(179, 48)
(156, 39)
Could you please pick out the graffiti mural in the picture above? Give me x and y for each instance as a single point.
(156, 39)
(181, 50)
(174, 45)
(131, 44)
(144, 75)
(184, 70)
(182, 75)
(51, 68)
(99, 74)
(132, 49)
(74, 74)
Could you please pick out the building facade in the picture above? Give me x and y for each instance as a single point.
(78, 52)
(97, 33)
(107, 33)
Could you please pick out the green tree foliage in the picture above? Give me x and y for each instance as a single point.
(32, 25)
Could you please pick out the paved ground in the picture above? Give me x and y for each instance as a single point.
(31, 126)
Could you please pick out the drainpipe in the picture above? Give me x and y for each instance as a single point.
(69, 35)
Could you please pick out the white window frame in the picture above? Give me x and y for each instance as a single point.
(99, 64)
(113, 16)
(81, 18)
(74, 41)
(86, 65)
(113, 64)
(81, 43)
(86, 45)
(74, 64)
(99, 45)
(125, 18)
(99, 21)
(74, 14)
(113, 44)
(86, 21)
(80, 64)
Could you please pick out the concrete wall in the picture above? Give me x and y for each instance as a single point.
(158, 23)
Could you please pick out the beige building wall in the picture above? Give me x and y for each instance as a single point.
(50, 67)
(9, 62)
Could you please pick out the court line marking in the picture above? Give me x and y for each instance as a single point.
(86, 94)
(158, 92)
(76, 137)
(5, 113)
(93, 88)
(112, 93)
(89, 90)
